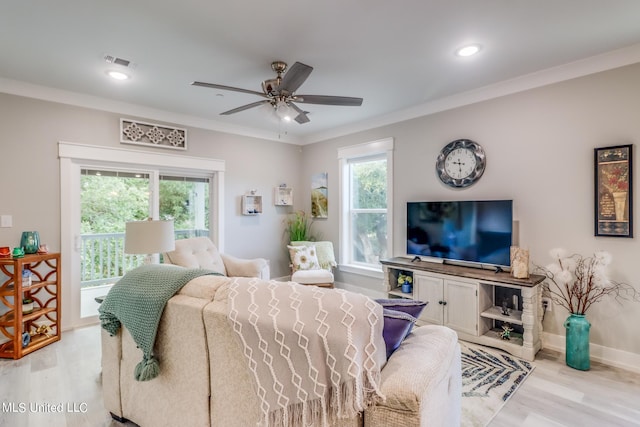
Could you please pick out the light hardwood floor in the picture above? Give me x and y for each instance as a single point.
(557, 395)
(66, 375)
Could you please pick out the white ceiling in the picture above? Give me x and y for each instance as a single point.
(397, 55)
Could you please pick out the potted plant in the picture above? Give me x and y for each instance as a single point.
(405, 281)
(298, 226)
(576, 283)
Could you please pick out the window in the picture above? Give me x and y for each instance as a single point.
(109, 198)
(365, 223)
(186, 201)
(194, 190)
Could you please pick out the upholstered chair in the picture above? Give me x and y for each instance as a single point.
(200, 252)
(312, 263)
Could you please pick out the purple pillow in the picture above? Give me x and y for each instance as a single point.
(409, 306)
(397, 326)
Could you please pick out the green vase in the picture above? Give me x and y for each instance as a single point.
(577, 345)
(30, 241)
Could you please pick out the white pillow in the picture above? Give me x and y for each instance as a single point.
(324, 251)
(303, 257)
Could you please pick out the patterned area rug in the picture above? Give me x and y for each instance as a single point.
(489, 379)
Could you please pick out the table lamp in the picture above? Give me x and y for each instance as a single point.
(149, 237)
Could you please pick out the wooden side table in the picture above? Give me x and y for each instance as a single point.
(28, 332)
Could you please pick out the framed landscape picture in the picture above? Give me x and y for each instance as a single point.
(319, 195)
(613, 191)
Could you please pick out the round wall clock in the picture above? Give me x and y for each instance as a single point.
(461, 163)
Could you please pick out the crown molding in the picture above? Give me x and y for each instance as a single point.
(595, 64)
(28, 90)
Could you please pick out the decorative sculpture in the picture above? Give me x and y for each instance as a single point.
(506, 331)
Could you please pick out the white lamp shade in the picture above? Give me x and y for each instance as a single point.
(149, 237)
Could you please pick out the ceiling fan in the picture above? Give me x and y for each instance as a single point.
(280, 92)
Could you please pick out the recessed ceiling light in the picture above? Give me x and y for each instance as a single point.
(468, 50)
(118, 75)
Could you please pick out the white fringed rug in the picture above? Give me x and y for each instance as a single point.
(489, 379)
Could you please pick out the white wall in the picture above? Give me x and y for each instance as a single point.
(30, 177)
(539, 147)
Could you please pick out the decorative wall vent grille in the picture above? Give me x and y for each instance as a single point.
(150, 134)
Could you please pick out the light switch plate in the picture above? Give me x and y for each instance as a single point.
(6, 221)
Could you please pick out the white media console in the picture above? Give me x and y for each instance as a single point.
(470, 301)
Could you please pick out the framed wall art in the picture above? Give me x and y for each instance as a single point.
(613, 191)
(319, 195)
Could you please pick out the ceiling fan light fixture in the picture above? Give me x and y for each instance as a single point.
(284, 112)
(468, 50)
(280, 94)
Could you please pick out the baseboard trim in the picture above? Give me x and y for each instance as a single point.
(371, 293)
(607, 355)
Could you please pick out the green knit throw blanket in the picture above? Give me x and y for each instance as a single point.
(137, 301)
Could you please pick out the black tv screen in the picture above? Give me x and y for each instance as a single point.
(469, 231)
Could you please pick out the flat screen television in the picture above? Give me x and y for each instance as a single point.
(465, 232)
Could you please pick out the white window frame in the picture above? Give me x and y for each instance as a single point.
(73, 157)
(382, 147)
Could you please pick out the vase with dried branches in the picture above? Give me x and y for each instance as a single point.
(576, 282)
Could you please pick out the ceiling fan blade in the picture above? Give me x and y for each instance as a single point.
(294, 77)
(302, 115)
(244, 107)
(329, 100)
(234, 89)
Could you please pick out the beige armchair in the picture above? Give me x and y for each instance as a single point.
(312, 263)
(200, 252)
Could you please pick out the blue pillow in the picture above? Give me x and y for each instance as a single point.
(409, 306)
(397, 326)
